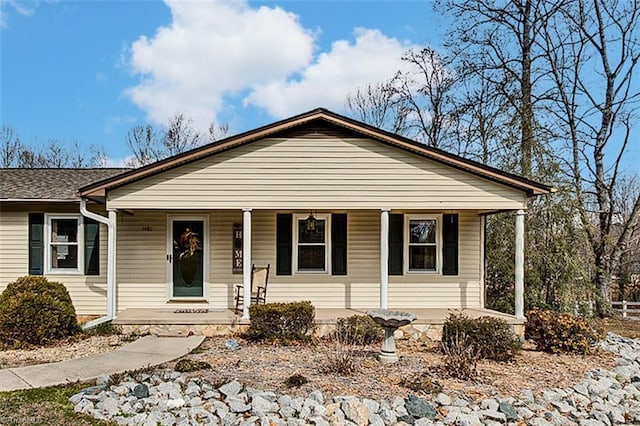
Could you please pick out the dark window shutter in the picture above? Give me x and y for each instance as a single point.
(339, 244)
(450, 244)
(36, 243)
(284, 241)
(91, 247)
(396, 243)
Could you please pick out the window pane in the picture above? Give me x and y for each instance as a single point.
(305, 236)
(64, 230)
(311, 258)
(422, 231)
(422, 258)
(64, 256)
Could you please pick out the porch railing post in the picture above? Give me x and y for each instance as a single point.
(624, 309)
(246, 261)
(519, 266)
(384, 257)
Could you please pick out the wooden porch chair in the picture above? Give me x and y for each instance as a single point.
(259, 280)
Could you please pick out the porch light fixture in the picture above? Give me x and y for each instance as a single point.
(311, 222)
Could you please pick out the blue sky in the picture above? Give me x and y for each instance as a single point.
(89, 71)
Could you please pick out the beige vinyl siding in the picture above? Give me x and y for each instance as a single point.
(87, 292)
(142, 265)
(301, 173)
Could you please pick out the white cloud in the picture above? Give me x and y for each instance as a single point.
(21, 7)
(211, 50)
(372, 58)
(214, 51)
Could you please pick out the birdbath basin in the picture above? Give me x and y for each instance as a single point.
(390, 321)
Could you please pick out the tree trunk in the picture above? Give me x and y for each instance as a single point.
(602, 281)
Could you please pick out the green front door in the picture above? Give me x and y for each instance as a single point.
(188, 257)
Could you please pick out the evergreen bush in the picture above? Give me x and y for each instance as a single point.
(35, 311)
(492, 338)
(358, 330)
(281, 321)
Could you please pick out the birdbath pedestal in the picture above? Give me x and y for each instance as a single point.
(390, 321)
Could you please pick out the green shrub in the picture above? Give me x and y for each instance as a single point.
(491, 337)
(561, 332)
(35, 311)
(358, 330)
(186, 365)
(281, 321)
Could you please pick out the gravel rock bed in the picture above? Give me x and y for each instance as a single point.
(604, 397)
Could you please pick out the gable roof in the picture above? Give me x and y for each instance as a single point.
(49, 184)
(317, 117)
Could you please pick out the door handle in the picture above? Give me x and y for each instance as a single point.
(169, 258)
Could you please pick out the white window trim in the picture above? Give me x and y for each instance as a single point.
(438, 219)
(327, 243)
(47, 250)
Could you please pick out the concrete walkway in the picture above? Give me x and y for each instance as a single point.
(144, 352)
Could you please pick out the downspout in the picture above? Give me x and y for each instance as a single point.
(111, 262)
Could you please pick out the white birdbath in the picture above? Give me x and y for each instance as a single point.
(390, 321)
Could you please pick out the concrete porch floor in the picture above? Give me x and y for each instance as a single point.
(150, 316)
(226, 322)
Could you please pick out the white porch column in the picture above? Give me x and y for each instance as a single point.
(519, 267)
(384, 257)
(111, 265)
(246, 261)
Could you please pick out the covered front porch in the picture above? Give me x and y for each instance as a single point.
(215, 322)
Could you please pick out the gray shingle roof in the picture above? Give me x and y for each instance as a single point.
(49, 184)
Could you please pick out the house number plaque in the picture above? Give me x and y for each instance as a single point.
(237, 249)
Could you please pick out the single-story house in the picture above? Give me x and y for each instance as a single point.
(347, 215)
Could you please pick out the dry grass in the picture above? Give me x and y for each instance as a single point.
(627, 327)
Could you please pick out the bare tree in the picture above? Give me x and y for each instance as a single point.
(149, 144)
(596, 103)
(497, 42)
(180, 136)
(379, 105)
(217, 131)
(143, 142)
(10, 147)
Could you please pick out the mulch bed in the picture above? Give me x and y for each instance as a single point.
(267, 367)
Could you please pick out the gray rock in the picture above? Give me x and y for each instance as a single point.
(468, 420)
(103, 379)
(539, 421)
(616, 415)
(494, 415)
(231, 389)
(318, 421)
(423, 422)
(175, 403)
(317, 396)
(109, 406)
(443, 399)
(376, 420)
(141, 391)
(237, 405)
(83, 406)
(406, 420)
(419, 407)
(355, 411)
(261, 406)
(388, 416)
(508, 410)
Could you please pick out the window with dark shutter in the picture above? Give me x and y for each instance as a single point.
(284, 242)
(339, 244)
(396, 243)
(36, 243)
(91, 247)
(450, 244)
